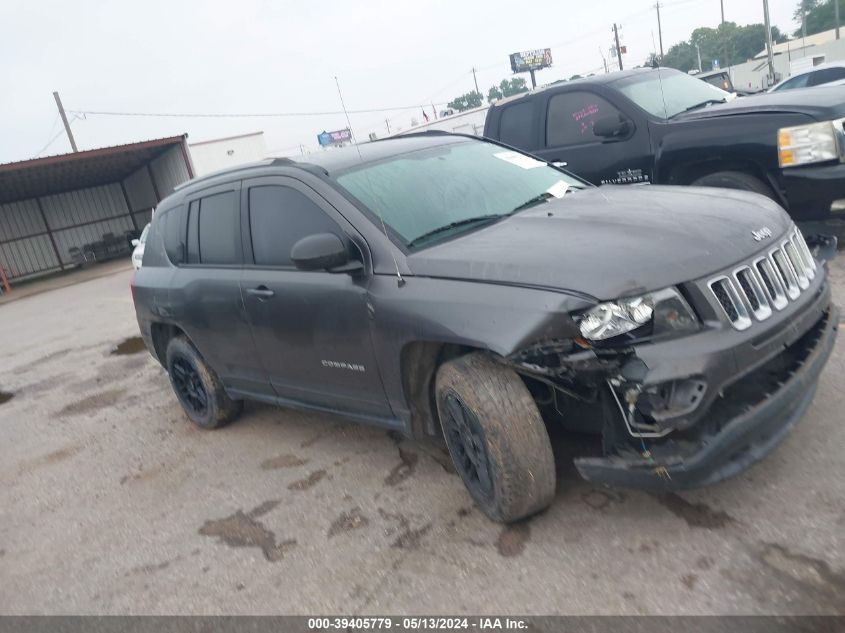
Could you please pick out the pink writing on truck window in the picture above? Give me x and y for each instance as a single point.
(585, 115)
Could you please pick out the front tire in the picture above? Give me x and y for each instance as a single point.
(736, 180)
(198, 388)
(496, 437)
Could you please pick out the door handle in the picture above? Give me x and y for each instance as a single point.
(262, 292)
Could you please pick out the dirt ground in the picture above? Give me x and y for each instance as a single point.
(111, 502)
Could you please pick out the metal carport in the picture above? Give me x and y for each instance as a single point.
(64, 210)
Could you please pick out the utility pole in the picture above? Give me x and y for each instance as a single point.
(604, 61)
(434, 111)
(723, 11)
(475, 79)
(659, 29)
(64, 120)
(387, 123)
(618, 49)
(698, 52)
(769, 40)
(836, 16)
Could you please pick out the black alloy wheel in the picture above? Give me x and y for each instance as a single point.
(466, 436)
(189, 387)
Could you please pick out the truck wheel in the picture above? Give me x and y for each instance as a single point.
(198, 388)
(496, 437)
(736, 180)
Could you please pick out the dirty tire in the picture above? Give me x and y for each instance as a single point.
(185, 365)
(507, 426)
(735, 180)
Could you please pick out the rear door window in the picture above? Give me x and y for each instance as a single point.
(516, 125)
(571, 117)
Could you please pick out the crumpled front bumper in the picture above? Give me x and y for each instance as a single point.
(739, 442)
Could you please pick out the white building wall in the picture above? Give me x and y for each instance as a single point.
(469, 122)
(751, 75)
(210, 156)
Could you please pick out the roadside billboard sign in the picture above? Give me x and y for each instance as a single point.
(531, 60)
(336, 137)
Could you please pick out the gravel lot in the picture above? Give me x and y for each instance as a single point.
(111, 502)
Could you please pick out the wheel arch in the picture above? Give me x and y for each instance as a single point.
(419, 362)
(162, 334)
(687, 173)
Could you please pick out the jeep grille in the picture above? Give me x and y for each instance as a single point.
(765, 284)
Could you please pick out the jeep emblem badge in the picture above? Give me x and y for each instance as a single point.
(761, 234)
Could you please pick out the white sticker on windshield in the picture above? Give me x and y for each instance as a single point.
(520, 160)
(558, 190)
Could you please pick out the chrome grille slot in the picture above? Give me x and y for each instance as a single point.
(732, 305)
(755, 289)
(787, 276)
(804, 251)
(772, 283)
(752, 289)
(797, 263)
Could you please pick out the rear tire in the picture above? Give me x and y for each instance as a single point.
(198, 388)
(736, 180)
(496, 437)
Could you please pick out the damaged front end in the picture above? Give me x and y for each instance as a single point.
(687, 411)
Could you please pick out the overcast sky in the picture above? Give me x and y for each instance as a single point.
(248, 56)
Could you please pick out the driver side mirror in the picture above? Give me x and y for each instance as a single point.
(135, 242)
(323, 251)
(612, 127)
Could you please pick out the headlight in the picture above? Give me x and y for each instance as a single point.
(806, 144)
(663, 312)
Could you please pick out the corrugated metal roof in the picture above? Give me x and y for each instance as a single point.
(66, 172)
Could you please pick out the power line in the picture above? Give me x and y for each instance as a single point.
(50, 134)
(233, 115)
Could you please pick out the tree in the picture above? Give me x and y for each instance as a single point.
(573, 77)
(494, 94)
(729, 43)
(513, 86)
(819, 15)
(466, 101)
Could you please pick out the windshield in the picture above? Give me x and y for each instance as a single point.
(453, 188)
(676, 92)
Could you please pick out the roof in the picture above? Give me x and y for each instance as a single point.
(342, 158)
(606, 78)
(331, 161)
(67, 172)
(227, 138)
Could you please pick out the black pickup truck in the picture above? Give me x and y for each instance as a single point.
(657, 125)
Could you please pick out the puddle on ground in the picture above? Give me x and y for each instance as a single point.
(244, 530)
(512, 539)
(132, 345)
(5, 396)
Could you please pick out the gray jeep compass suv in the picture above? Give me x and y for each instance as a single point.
(444, 284)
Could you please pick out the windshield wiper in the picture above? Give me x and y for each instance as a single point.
(532, 202)
(700, 105)
(480, 219)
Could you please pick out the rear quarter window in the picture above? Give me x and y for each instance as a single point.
(172, 226)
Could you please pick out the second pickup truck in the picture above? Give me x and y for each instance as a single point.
(658, 125)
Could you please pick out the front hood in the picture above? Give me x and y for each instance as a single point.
(611, 241)
(821, 103)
